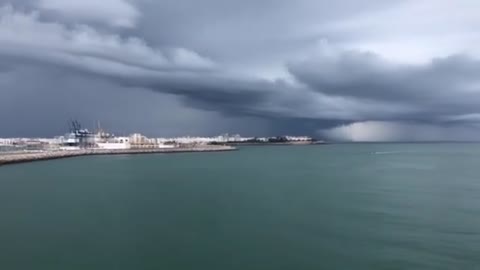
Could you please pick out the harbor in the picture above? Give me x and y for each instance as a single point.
(79, 141)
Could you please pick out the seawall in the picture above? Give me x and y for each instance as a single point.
(13, 158)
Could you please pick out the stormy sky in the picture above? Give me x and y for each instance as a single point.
(341, 70)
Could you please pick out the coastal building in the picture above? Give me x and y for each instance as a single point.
(79, 138)
(114, 143)
(7, 142)
(138, 139)
(298, 138)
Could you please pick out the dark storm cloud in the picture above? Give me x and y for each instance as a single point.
(223, 60)
(246, 34)
(43, 105)
(435, 91)
(359, 74)
(132, 62)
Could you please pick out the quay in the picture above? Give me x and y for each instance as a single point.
(19, 157)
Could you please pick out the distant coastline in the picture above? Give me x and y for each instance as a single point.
(80, 141)
(272, 143)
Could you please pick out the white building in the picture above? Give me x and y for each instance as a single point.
(115, 143)
(6, 141)
(298, 138)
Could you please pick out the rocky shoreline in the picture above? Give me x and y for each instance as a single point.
(14, 158)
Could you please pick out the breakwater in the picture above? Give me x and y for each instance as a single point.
(20, 157)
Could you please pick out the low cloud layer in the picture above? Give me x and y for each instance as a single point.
(321, 75)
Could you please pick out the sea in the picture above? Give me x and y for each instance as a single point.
(337, 206)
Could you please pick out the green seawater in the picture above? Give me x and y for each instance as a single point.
(350, 206)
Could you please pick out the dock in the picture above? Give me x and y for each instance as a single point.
(19, 157)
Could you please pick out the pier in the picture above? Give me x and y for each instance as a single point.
(20, 157)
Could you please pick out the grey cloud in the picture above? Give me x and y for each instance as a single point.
(134, 63)
(360, 74)
(229, 62)
(437, 90)
(39, 100)
(118, 13)
(246, 35)
(25, 35)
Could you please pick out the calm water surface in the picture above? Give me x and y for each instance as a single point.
(365, 206)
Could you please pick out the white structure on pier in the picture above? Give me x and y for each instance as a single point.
(115, 143)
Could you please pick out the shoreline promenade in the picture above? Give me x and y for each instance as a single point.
(19, 157)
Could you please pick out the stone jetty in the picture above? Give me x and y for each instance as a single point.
(22, 157)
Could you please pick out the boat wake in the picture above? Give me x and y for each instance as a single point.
(390, 152)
